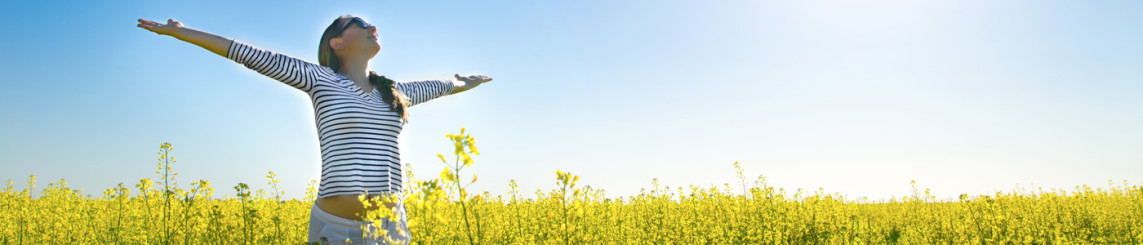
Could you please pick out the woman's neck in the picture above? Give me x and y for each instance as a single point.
(358, 72)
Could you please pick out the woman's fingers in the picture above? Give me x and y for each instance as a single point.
(159, 28)
(482, 78)
(148, 22)
(149, 25)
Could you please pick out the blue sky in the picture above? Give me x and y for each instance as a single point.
(855, 97)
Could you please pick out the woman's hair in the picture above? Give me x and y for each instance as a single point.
(389, 92)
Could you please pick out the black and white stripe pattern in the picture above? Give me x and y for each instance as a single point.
(294, 72)
(357, 130)
(421, 91)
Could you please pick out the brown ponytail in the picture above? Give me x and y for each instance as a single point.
(390, 94)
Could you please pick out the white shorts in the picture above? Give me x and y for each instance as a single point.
(326, 228)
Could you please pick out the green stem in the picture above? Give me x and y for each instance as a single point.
(564, 202)
(463, 208)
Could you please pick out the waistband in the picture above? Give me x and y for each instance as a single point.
(398, 210)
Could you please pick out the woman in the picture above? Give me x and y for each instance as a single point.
(359, 115)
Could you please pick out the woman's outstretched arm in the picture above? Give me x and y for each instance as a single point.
(425, 90)
(289, 70)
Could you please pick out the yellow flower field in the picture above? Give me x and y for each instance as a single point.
(442, 211)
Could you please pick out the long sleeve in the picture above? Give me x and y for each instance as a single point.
(289, 70)
(423, 91)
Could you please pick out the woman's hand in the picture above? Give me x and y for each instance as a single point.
(170, 29)
(476, 78)
(470, 82)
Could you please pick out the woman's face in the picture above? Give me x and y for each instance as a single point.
(358, 41)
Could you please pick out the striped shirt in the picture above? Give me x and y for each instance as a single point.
(357, 130)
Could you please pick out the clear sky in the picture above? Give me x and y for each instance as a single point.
(855, 97)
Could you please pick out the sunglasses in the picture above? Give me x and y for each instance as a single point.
(360, 22)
